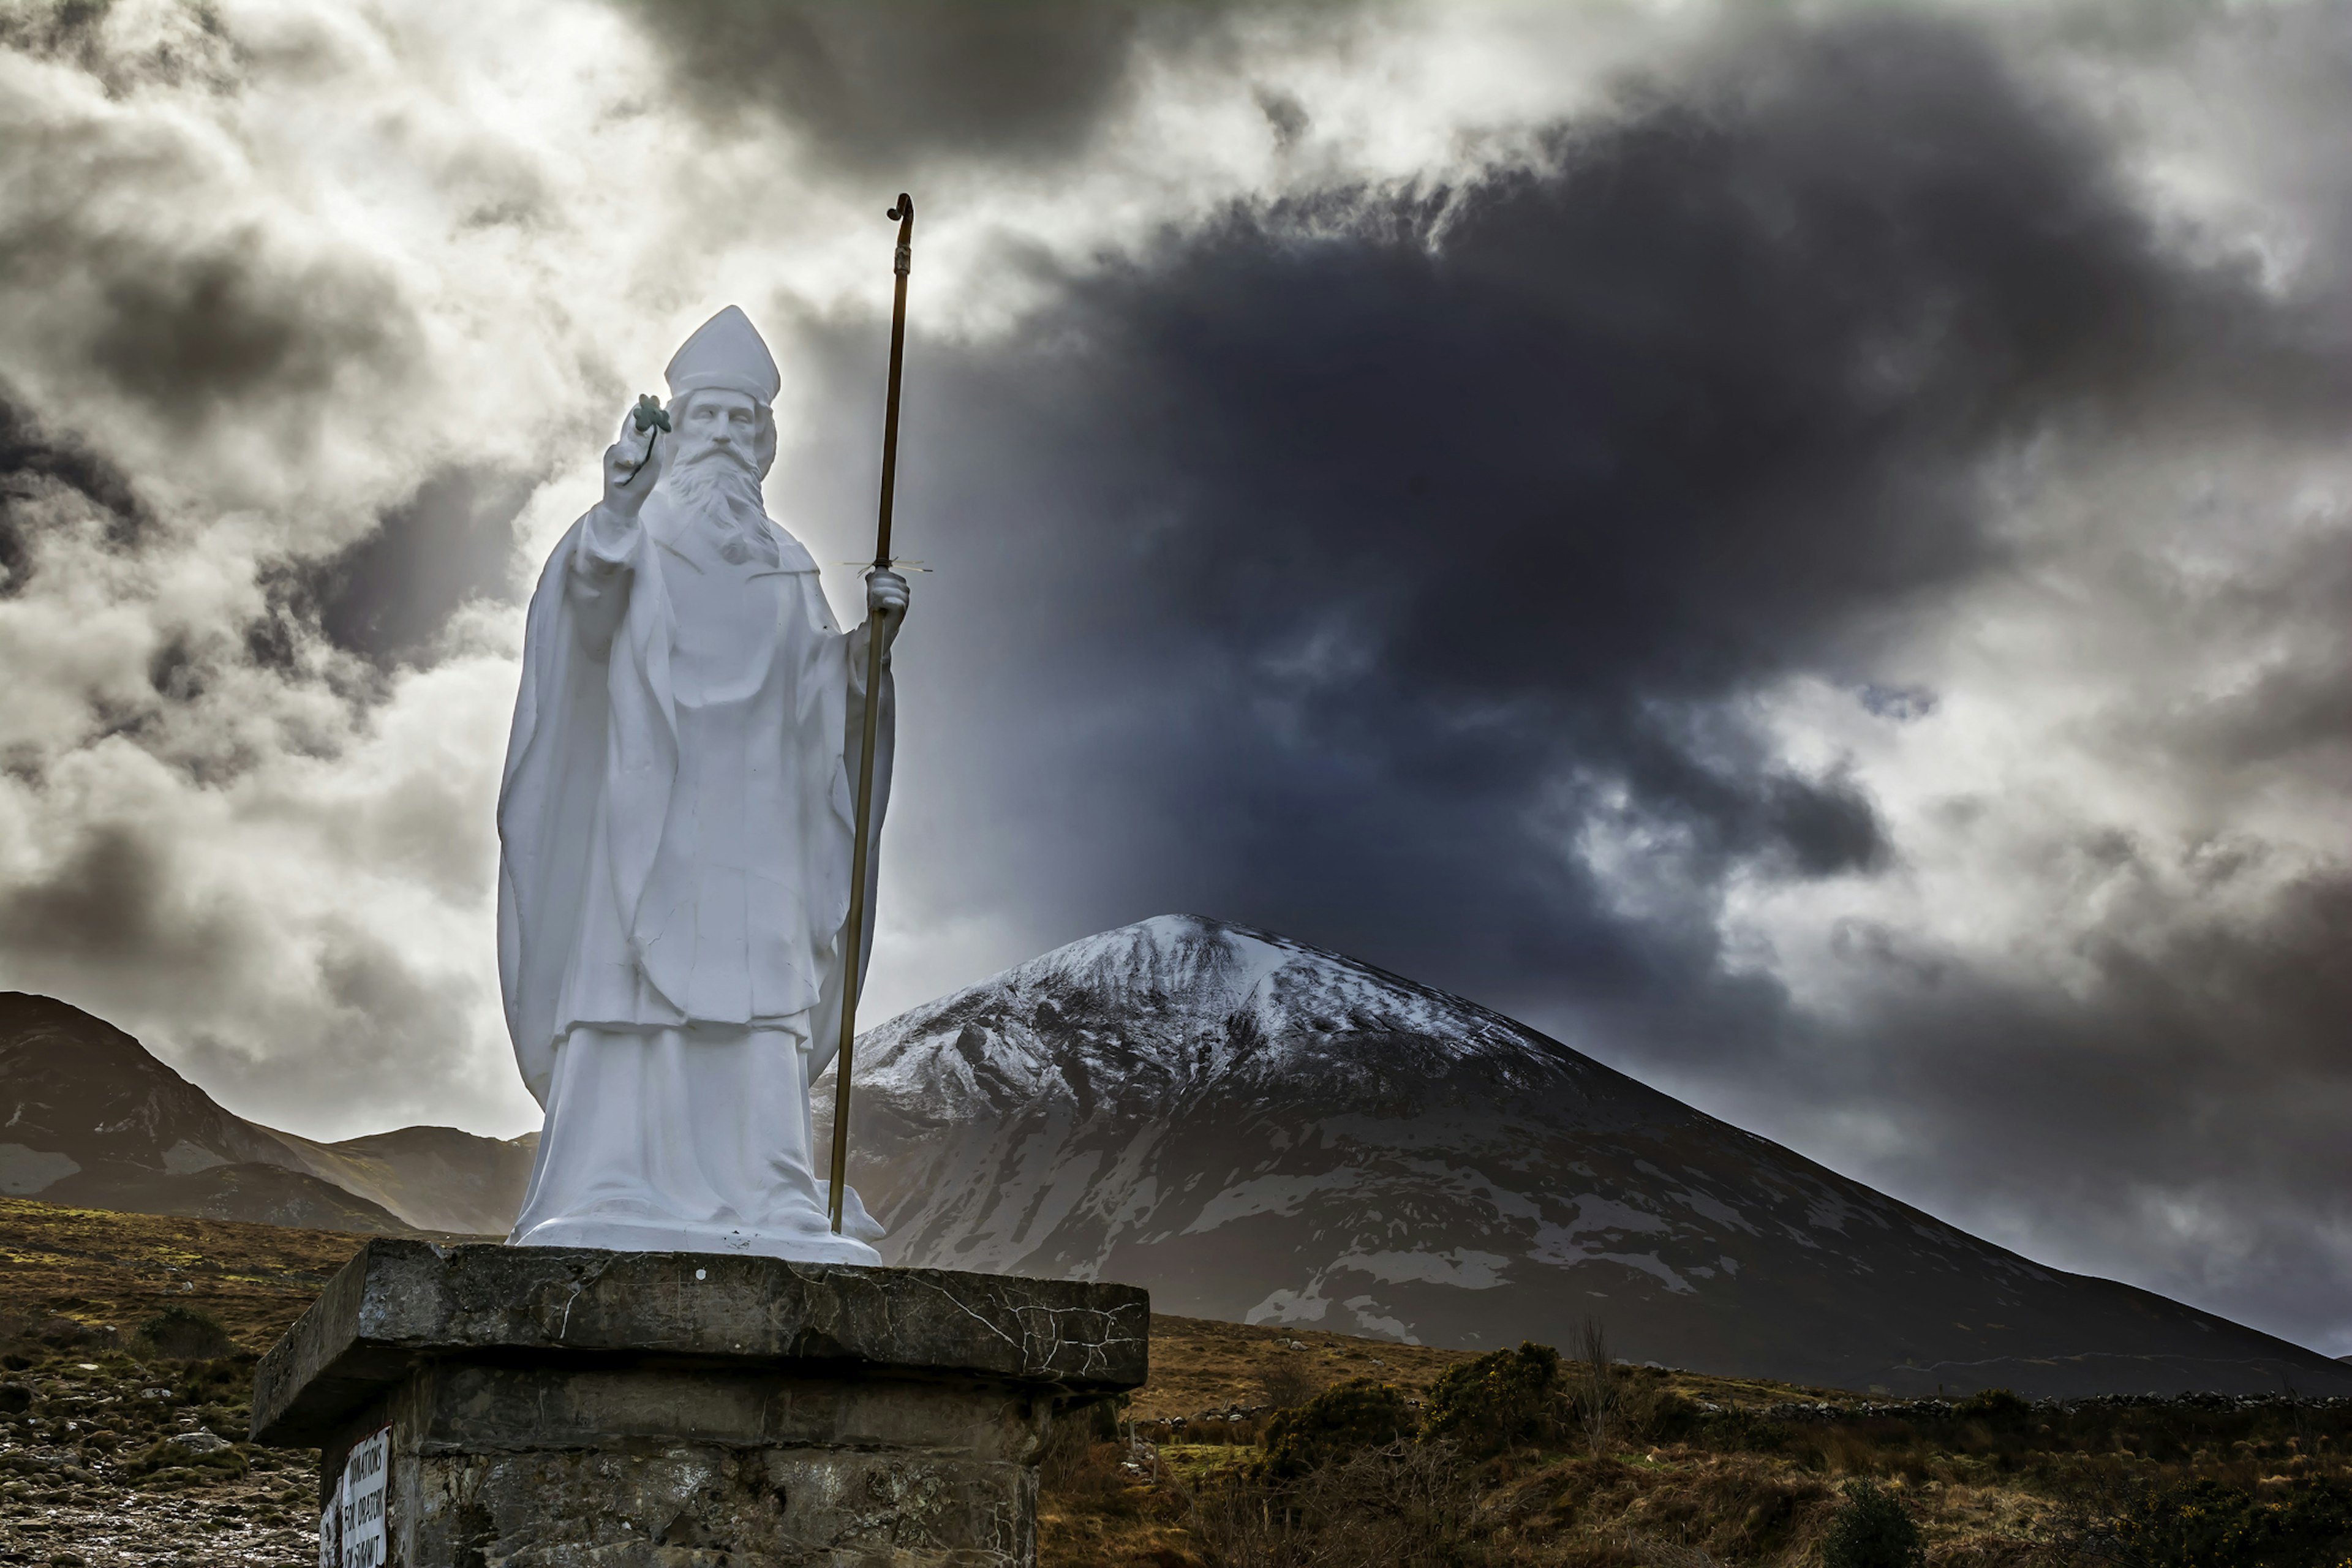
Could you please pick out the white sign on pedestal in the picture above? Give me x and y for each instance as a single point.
(358, 1512)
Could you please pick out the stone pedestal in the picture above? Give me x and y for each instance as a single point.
(579, 1409)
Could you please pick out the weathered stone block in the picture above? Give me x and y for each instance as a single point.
(552, 1408)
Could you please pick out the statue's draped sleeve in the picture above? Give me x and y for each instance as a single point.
(547, 809)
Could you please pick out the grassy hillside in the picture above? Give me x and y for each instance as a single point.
(127, 1344)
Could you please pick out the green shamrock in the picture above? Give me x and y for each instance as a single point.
(649, 413)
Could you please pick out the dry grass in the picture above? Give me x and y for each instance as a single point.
(1198, 1365)
(119, 1270)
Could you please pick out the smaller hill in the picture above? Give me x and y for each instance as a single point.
(250, 1190)
(93, 1119)
(434, 1178)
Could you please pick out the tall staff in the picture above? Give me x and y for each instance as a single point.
(861, 852)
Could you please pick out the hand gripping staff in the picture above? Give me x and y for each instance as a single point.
(861, 852)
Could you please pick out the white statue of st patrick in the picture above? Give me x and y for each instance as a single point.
(675, 829)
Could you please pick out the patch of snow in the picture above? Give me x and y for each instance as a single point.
(1372, 1323)
(25, 1171)
(1291, 1306)
(1595, 1212)
(1269, 1195)
(1714, 1208)
(1827, 1212)
(1650, 1263)
(1558, 1246)
(1463, 1267)
(185, 1159)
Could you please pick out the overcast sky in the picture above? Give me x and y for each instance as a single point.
(1805, 550)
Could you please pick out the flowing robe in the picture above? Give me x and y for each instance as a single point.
(675, 824)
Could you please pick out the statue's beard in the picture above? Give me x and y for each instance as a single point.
(716, 480)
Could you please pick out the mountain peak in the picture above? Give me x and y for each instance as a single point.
(1174, 1003)
(29, 1022)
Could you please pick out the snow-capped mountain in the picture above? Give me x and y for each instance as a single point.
(1263, 1131)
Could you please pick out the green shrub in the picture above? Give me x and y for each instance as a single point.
(53, 1333)
(1996, 1407)
(2206, 1523)
(1740, 1428)
(1500, 1400)
(186, 1333)
(1345, 1419)
(1664, 1416)
(1871, 1530)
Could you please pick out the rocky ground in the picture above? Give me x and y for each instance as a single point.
(122, 1461)
(114, 1453)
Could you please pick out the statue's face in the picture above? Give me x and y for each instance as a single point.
(719, 424)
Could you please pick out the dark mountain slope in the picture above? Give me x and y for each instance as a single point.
(1263, 1133)
(88, 1108)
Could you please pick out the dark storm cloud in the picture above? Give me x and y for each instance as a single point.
(189, 334)
(37, 466)
(2187, 1102)
(878, 86)
(113, 895)
(1489, 507)
(388, 597)
(72, 32)
(121, 894)
(55, 29)
(190, 320)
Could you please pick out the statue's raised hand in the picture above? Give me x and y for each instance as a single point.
(633, 464)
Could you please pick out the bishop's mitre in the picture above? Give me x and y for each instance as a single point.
(725, 353)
